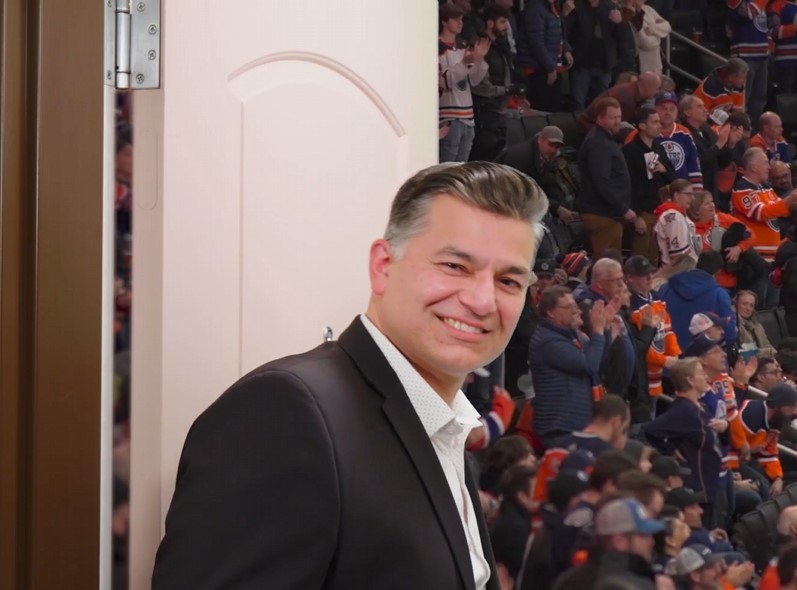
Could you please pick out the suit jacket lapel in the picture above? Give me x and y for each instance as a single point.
(358, 344)
(492, 583)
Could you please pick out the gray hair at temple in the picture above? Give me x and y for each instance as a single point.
(488, 186)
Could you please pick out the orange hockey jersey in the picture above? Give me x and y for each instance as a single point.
(762, 439)
(758, 207)
(664, 344)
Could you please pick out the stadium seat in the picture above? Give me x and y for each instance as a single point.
(770, 510)
(751, 536)
(533, 125)
(569, 126)
(791, 491)
(783, 501)
(515, 132)
(774, 326)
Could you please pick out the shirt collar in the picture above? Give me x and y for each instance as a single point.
(433, 412)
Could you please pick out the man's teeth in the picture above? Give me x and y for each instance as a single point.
(463, 327)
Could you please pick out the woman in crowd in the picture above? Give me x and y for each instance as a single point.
(686, 429)
(649, 29)
(674, 230)
(711, 225)
(751, 332)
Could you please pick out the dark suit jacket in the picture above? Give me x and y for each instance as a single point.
(314, 471)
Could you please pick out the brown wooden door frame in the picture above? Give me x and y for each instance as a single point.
(51, 208)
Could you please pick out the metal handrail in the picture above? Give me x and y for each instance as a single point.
(687, 41)
(781, 448)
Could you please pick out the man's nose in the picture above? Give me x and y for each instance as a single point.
(479, 295)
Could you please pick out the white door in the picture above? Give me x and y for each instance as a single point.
(264, 167)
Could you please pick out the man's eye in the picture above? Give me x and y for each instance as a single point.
(512, 283)
(454, 266)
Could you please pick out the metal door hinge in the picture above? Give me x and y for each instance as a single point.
(132, 43)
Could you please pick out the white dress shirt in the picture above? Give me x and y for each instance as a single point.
(447, 427)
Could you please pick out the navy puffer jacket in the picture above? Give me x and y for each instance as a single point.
(541, 37)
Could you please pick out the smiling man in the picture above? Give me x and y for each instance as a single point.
(343, 467)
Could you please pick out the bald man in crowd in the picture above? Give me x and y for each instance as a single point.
(770, 138)
(630, 95)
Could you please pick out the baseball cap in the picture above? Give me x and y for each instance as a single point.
(544, 266)
(665, 467)
(782, 395)
(700, 345)
(638, 266)
(664, 97)
(574, 262)
(553, 134)
(623, 516)
(567, 484)
(703, 321)
(691, 559)
(683, 497)
(578, 460)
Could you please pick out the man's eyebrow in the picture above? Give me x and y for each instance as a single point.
(457, 253)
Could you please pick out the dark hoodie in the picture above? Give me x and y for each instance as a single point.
(692, 292)
(604, 564)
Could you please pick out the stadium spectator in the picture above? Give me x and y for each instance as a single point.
(512, 527)
(605, 199)
(677, 141)
(783, 22)
(543, 54)
(696, 568)
(651, 29)
(472, 25)
(714, 150)
(787, 533)
(664, 349)
(629, 95)
(650, 169)
(674, 230)
(691, 504)
(512, 33)
(697, 291)
(576, 531)
(770, 138)
(711, 226)
(460, 69)
(669, 542)
(751, 333)
(726, 177)
(592, 28)
(763, 420)
(686, 428)
(544, 270)
(781, 180)
(708, 324)
(626, 44)
(490, 95)
(576, 265)
(606, 430)
(565, 363)
(747, 22)
(670, 472)
(724, 88)
(508, 451)
(754, 203)
(644, 487)
(767, 375)
(623, 551)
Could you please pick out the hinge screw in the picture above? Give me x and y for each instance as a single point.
(140, 78)
(108, 4)
(152, 29)
(152, 54)
(108, 74)
(141, 7)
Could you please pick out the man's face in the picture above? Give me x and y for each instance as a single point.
(667, 113)
(715, 333)
(675, 481)
(655, 505)
(548, 149)
(641, 545)
(449, 297)
(610, 120)
(714, 360)
(770, 377)
(619, 432)
(499, 27)
(612, 284)
(773, 128)
(526, 499)
(453, 25)
(692, 516)
(649, 89)
(566, 314)
(697, 112)
(652, 127)
(544, 281)
(641, 284)
(737, 81)
(706, 577)
(780, 176)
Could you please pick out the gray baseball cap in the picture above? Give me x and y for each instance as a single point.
(690, 559)
(623, 516)
(553, 134)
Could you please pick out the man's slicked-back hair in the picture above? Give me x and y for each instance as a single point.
(491, 187)
(608, 407)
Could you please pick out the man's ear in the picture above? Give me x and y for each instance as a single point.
(380, 258)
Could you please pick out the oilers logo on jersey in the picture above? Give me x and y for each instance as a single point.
(675, 153)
